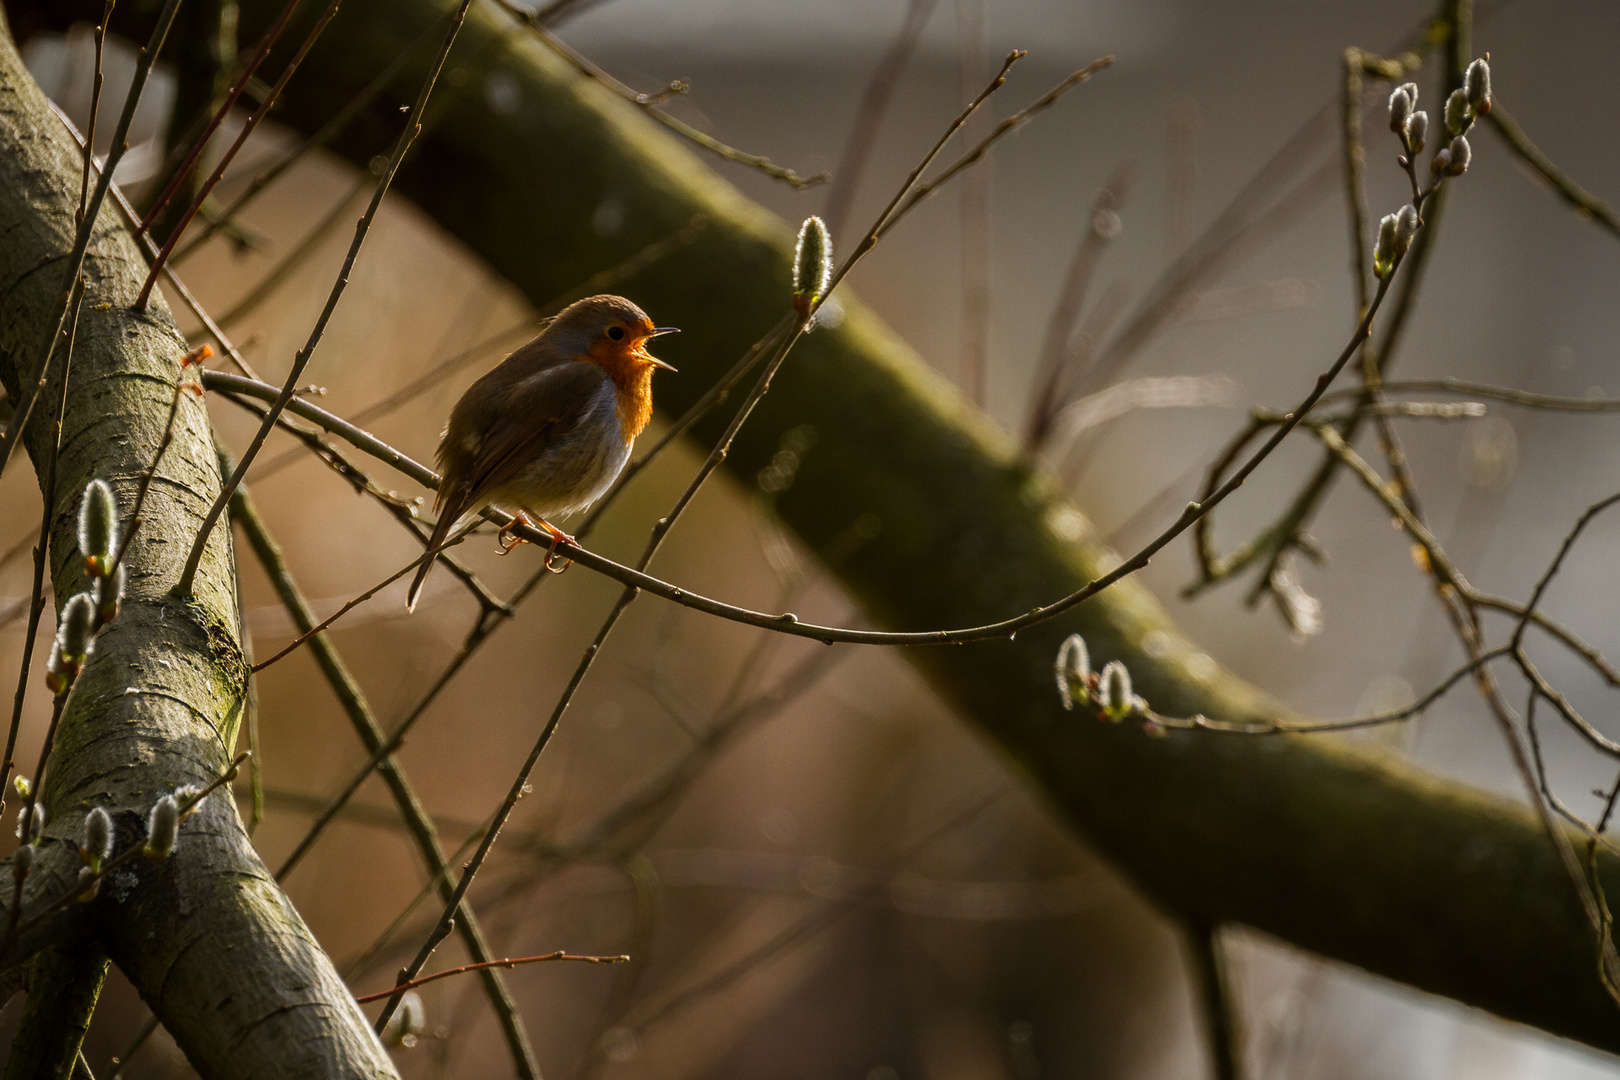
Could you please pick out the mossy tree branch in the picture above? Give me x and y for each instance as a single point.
(211, 943)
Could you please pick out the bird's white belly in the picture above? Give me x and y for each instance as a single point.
(577, 469)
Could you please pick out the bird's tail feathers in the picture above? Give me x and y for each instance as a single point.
(450, 510)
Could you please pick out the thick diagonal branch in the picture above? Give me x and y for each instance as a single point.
(206, 936)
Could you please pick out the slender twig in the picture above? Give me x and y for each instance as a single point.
(95, 109)
(977, 266)
(412, 127)
(649, 104)
(36, 600)
(1321, 727)
(789, 623)
(12, 435)
(1102, 226)
(511, 962)
(1585, 203)
(1574, 533)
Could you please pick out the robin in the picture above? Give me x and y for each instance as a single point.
(548, 430)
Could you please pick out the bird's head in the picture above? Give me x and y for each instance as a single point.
(609, 331)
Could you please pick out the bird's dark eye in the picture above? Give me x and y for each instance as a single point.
(616, 333)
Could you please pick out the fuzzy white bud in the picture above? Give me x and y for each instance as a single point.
(162, 829)
(23, 785)
(30, 823)
(408, 1021)
(1459, 153)
(1114, 693)
(1417, 131)
(1384, 247)
(1477, 84)
(108, 593)
(98, 527)
(1406, 227)
(1073, 671)
(97, 847)
(89, 884)
(812, 264)
(1400, 107)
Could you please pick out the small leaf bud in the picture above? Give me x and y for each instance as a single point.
(162, 829)
(89, 885)
(30, 823)
(22, 861)
(1460, 152)
(108, 593)
(1417, 131)
(1458, 116)
(1073, 671)
(812, 265)
(408, 1021)
(75, 637)
(1401, 102)
(1477, 84)
(1384, 248)
(97, 847)
(1406, 227)
(98, 527)
(1114, 695)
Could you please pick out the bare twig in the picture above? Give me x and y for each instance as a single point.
(36, 601)
(1585, 203)
(511, 962)
(649, 104)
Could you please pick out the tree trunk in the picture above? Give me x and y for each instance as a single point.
(206, 936)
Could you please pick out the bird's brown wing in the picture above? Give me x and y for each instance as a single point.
(538, 411)
(497, 427)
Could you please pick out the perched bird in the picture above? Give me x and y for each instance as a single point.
(548, 430)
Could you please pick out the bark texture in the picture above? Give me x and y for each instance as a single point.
(159, 703)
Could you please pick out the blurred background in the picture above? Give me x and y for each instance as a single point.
(855, 886)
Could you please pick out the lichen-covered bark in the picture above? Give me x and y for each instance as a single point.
(64, 982)
(212, 944)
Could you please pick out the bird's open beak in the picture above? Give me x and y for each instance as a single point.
(659, 331)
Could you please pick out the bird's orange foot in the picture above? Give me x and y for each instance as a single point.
(557, 537)
(507, 538)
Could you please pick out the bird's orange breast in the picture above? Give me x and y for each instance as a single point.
(632, 383)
